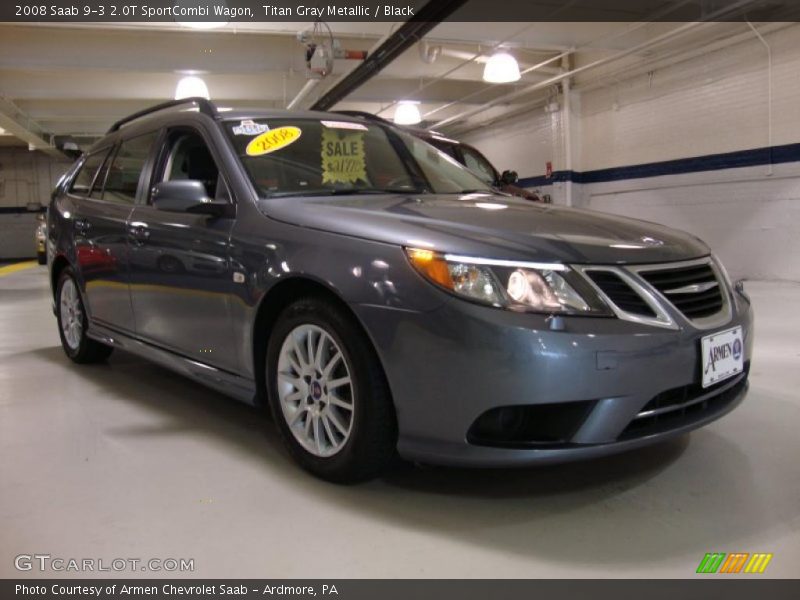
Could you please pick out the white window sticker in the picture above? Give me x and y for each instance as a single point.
(250, 128)
(344, 125)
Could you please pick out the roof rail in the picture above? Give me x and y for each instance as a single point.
(204, 105)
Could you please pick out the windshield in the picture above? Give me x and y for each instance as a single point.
(286, 157)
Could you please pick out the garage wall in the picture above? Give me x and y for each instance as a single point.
(25, 177)
(633, 136)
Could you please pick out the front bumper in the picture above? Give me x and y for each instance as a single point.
(448, 367)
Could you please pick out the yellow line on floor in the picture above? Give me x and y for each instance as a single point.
(9, 269)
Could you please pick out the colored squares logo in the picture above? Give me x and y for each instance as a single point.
(733, 563)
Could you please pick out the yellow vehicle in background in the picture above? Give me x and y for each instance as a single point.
(41, 238)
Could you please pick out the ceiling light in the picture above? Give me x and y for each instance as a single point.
(407, 113)
(501, 68)
(203, 24)
(191, 87)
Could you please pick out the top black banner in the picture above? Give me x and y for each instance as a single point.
(247, 11)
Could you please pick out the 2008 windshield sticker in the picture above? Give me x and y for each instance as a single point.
(273, 140)
(343, 157)
(250, 128)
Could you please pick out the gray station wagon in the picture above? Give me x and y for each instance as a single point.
(381, 299)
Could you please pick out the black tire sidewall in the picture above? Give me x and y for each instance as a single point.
(88, 350)
(369, 390)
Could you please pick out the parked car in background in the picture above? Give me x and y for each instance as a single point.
(467, 155)
(40, 238)
(380, 298)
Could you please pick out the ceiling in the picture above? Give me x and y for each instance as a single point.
(73, 81)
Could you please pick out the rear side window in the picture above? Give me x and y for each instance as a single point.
(125, 171)
(82, 183)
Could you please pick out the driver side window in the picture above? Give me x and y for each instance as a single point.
(189, 158)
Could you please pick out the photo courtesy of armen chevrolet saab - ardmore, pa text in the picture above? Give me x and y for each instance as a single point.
(429, 299)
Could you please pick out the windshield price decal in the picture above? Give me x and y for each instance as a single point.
(273, 140)
(343, 158)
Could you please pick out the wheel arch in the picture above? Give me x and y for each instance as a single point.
(279, 296)
(60, 263)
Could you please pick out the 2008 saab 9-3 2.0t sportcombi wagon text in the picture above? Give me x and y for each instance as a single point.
(382, 299)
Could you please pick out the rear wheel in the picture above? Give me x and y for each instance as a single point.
(72, 323)
(328, 393)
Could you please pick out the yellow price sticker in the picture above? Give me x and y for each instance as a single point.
(343, 157)
(273, 140)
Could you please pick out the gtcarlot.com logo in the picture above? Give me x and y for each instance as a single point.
(46, 562)
(735, 562)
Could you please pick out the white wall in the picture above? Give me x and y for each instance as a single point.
(25, 177)
(713, 104)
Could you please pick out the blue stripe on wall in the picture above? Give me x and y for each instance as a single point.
(710, 162)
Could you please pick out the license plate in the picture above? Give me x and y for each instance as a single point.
(723, 355)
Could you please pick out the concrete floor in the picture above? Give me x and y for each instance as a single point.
(128, 460)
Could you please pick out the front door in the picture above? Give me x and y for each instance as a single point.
(181, 280)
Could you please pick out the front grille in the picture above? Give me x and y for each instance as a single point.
(620, 293)
(694, 290)
(683, 405)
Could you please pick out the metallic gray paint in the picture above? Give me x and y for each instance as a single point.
(446, 360)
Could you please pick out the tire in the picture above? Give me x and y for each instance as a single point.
(71, 317)
(41, 258)
(327, 439)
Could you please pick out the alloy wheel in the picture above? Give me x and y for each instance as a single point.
(71, 314)
(315, 390)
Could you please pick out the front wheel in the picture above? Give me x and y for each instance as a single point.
(328, 393)
(72, 323)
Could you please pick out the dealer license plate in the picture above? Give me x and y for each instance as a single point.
(723, 355)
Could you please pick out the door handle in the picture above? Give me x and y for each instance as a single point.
(139, 232)
(81, 225)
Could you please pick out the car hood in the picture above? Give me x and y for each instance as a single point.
(490, 225)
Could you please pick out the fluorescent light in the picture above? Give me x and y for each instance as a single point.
(501, 68)
(191, 87)
(203, 24)
(407, 113)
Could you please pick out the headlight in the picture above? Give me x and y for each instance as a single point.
(524, 286)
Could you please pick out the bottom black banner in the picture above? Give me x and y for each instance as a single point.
(388, 589)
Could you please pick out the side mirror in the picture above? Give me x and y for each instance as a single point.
(186, 195)
(509, 178)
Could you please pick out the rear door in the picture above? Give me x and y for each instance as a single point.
(99, 233)
(182, 281)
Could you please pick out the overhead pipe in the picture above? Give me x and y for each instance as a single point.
(679, 56)
(488, 87)
(566, 129)
(565, 52)
(412, 31)
(685, 28)
(309, 87)
(769, 92)
(452, 70)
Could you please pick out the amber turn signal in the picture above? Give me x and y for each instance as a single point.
(431, 265)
